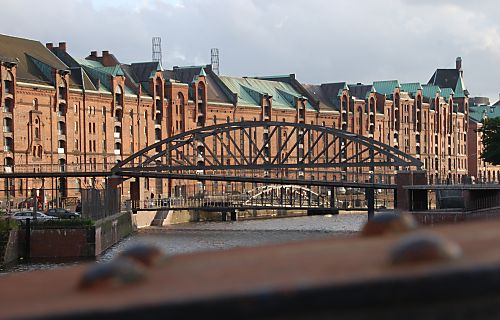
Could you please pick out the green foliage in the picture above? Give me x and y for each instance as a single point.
(7, 225)
(63, 223)
(491, 140)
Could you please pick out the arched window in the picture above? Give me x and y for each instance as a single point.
(8, 144)
(61, 127)
(418, 114)
(360, 120)
(8, 162)
(8, 84)
(344, 112)
(118, 115)
(35, 104)
(397, 111)
(62, 90)
(7, 125)
(158, 87)
(118, 96)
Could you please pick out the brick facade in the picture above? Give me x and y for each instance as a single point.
(90, 113)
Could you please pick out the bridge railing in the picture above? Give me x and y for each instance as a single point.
(348, 202)
(317, 174)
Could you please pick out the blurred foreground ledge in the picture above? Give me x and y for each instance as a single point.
(341, 278)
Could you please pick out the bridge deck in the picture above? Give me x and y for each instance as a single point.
(479, 186)
(346, 278)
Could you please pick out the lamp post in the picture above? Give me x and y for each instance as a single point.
(35, 203)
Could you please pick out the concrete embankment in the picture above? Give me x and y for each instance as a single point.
(70, 241)
(434, 217)
(9, 247)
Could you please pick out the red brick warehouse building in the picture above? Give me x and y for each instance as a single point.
(61, 112)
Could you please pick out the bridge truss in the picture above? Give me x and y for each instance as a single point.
(270, 152)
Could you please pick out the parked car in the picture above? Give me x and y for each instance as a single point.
(62, 213)
(23, 215)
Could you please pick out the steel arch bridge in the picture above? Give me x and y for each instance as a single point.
(270, 152)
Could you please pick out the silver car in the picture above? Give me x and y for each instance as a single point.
(23, 215)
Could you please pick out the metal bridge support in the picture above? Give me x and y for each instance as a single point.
(234, 215)
(370, 201)
(332, 197)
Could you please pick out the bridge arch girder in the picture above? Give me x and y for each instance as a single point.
(266, 149)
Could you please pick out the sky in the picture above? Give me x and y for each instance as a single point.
(318, 40)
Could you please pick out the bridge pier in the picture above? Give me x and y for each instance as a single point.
(370, 201)
(234, 215)
(332, 197)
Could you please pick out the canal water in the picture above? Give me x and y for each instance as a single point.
(193, 237)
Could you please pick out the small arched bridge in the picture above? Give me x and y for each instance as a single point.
(270, 152)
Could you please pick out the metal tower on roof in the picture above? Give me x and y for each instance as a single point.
(157, 49)
(214, 52)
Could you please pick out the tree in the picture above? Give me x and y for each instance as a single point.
(491, 140)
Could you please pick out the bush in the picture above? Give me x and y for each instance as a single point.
(6, 225)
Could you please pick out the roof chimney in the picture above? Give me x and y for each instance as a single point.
(105, 53)
(49, 45)
(62, 46)
(93, 53)
(458, 66)
(458, 63)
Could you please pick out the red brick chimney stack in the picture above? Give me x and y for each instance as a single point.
(62, 46)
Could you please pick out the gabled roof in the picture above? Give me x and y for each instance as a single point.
(143, 71)
(216, 89)
(478, 113)
(249, 91)
(361, 91)
(450, 78)
(101, 75)
(411, 88)
(320, 95)
(386, 87)
(447, 92)
(429, 91)
(29, 55)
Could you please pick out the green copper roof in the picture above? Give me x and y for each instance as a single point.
(202, 73)
(447, 92)
(430, 90)
(480, 112)
(250, 90)
(386, 87)
(411, 88)
(460, 89)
